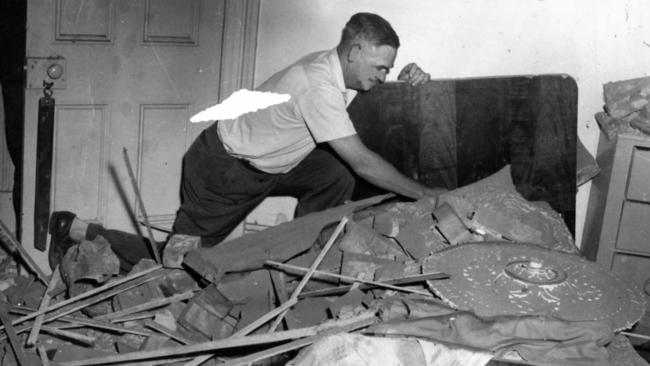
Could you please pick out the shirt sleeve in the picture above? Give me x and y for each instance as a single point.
(324, 111)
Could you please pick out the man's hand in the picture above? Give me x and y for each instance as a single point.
(413, 74)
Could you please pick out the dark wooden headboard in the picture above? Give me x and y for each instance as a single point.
(449, 133)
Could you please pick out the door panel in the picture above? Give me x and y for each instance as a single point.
(162, 140)
(172, 22)
(80, 158)
(135, 71)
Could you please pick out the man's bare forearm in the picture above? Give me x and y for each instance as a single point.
(373, 168)
(384, 175)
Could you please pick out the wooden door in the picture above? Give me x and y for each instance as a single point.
(6, 174)
(134, 73)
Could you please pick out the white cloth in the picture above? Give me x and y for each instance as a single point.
(358, 350)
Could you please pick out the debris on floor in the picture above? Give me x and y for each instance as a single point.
(627, 107)
(432, 282)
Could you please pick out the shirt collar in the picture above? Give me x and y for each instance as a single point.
(335, 63)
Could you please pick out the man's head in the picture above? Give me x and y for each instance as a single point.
(367, 50)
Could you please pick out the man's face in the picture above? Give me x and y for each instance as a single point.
(369, 65)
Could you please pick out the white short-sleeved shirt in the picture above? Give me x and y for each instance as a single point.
(277, 138)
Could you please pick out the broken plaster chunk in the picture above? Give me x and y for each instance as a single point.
(124, 347)
(176, 281)
(641, 124)
(310, 311)
(463, 208)
(348, 305)
(366, 222)
(361, 240)
(240, 102)
(370, 268)
(391, 307)
(359, 266)
(165, 318)
(645, 112)
(419, 237)
(156, 341)
(387, 224)
(249, 309)
(493, 219)
(611, 126)
(25, 291)
(356, 240)
(505, 227)
(212, 300)
(137, 296)
(176, 248)
(331, 261)
(6, 283)
(397, 270)
(209, 316)
(225, 327)
(140, 294)
(450, 225)
(627, 96)
(73, 352)
(241, 287)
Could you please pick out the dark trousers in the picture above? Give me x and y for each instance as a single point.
(219, 191)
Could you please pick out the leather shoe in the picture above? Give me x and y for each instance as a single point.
(60, 241)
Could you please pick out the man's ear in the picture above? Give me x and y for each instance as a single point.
(354, 52)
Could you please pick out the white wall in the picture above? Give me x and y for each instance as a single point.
(594, 41)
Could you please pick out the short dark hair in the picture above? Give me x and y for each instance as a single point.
(371, 28)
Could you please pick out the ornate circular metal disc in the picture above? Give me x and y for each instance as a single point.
(496, 278)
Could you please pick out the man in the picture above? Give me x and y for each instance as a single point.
(273, 151)
(234, 164)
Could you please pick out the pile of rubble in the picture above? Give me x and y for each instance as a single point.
(627, 107)
(341, 283)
